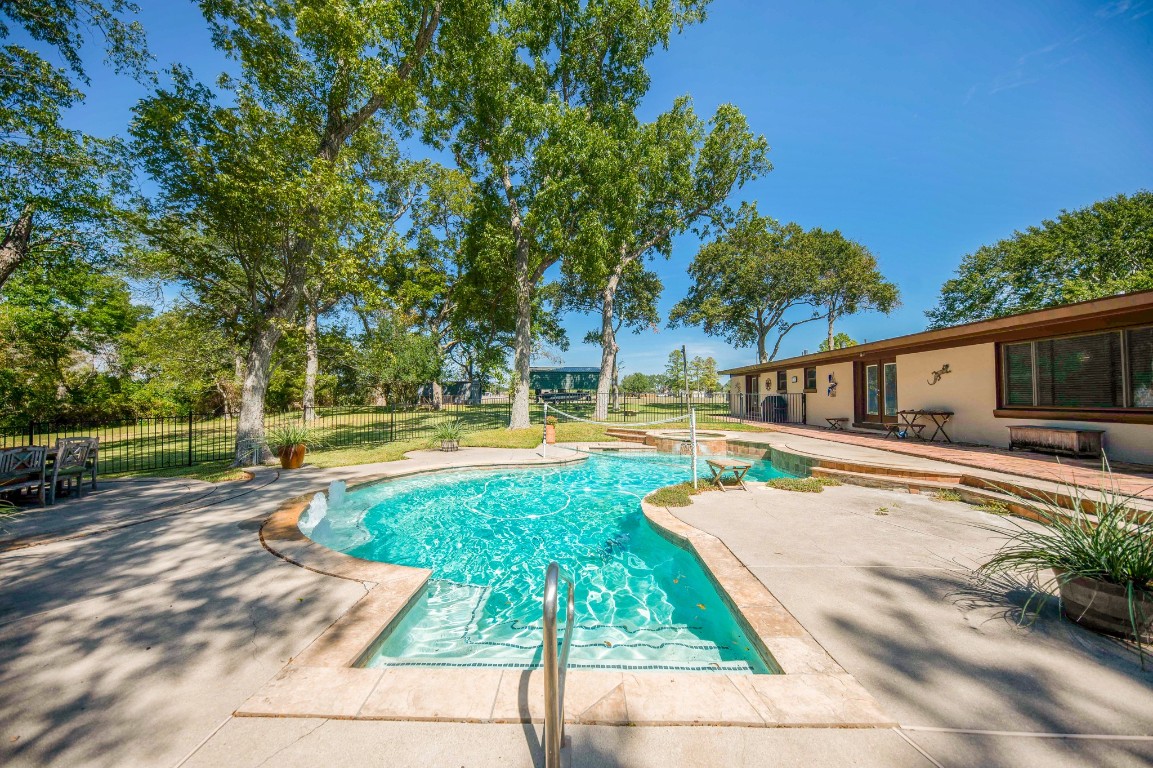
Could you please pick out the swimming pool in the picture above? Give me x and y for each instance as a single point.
(487, 536)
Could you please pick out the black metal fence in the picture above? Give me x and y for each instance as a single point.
(159, 442)
(784, 408)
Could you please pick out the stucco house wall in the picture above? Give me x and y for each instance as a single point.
(970, 391)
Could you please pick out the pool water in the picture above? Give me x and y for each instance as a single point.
(487, 536)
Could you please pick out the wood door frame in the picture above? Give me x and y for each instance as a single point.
(752, 387)
(860, 394)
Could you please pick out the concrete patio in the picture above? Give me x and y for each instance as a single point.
(130, 634)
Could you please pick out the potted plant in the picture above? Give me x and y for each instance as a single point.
(290, 442)
(1101, 554)
(550, 430)
(448, 434)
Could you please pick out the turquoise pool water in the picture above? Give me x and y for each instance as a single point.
(487, 536)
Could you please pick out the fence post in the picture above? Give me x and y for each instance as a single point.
(31, 432)
(190, 437)
(392, 422)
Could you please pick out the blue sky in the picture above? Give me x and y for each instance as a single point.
(921, 129)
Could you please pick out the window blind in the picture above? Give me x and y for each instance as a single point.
(1141, 367)
(1080, 372)
(1019, 374)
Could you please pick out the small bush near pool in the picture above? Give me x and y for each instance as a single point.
(678, 495)
(802, 484)
(672, 495)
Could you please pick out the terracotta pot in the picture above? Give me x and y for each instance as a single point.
(550, 433)
(292, 456)
(1104, 607)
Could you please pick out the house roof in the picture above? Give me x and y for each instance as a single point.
(1084, 316)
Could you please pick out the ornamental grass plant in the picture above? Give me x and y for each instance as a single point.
(1097, 536)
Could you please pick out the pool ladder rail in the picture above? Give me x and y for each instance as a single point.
(554, 668)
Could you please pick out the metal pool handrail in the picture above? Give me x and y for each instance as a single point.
(554, 671)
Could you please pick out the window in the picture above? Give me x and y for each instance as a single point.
(1100, 370)
(890, 389)
(872, 391)
(810, 379)
(782, 381)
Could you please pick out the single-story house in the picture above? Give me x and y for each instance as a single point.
(1085, 366)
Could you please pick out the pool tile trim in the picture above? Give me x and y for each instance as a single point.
(325, 681)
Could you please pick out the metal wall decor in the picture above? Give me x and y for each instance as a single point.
(937, 374)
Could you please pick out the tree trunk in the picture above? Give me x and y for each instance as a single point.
(608, 346)
(832, 317)
(616, 386)
(522, 343)
(762, 353)
(311, 364)
(250, 423)
(437, 395)
(14, 246)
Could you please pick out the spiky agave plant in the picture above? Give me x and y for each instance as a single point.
(1112, 544)
(290, 434)
(448, 431)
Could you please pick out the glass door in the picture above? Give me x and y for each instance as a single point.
(752, 395)
(877, 391)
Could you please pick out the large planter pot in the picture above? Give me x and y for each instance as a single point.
(1104, 607)
(550, 433)
(449, 445)
(292, 456)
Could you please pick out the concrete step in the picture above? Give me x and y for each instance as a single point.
(969, 493)
(630, 435)
(928, 475)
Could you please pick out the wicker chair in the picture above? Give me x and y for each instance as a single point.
(22, 468)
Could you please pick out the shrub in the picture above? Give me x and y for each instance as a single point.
(288, 435)
(1112, 545)
(672, 495)
(448, 431)
(802, 484)
(947, 494)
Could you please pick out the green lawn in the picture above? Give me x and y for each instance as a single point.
(162, 447)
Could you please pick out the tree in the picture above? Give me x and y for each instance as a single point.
(60, 189)
(633, 305)
(703, 374)
(1101, 250)
(749, 282)
(181, 357)
(529, 110)
(61, 323)
(292, 168)
(848, 278)
(841, 341)
(665, 177)
(639, 383)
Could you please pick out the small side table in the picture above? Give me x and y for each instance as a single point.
(838, 424)
(719, 467)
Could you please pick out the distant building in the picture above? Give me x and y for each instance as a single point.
(563, 379)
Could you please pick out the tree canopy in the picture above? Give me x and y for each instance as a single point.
(1101, 250)
(61, 190)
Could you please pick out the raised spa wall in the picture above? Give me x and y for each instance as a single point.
(798, 466)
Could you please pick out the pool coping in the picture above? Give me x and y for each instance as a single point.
(813, 690)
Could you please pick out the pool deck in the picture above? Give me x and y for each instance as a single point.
(130, 635)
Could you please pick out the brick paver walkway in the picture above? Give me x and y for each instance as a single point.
(1132, 479)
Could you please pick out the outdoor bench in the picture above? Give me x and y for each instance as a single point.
(1074, 441)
